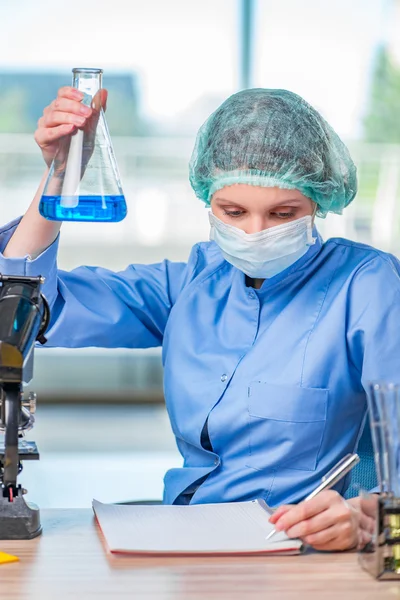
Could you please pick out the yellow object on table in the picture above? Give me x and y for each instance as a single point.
(7, 558)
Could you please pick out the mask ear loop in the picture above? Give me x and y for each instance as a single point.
(314, 212)
(310, 239)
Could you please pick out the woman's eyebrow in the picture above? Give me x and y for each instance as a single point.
(226, 201)
(285, 202)
(220, 199)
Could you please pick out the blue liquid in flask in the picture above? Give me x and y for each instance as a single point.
(103, 209)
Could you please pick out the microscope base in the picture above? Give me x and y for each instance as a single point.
(19, 520)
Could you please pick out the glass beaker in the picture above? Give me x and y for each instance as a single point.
(381, 555)
(83, 183)
(384, 408)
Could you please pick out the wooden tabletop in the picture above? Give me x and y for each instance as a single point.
(70, 560)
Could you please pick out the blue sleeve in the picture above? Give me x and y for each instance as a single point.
(373, 320)
(45, 264)
(92, 306)
(374, 317)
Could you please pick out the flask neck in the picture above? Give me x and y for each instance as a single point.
(87, 81)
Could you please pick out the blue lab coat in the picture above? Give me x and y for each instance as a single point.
(265, 389)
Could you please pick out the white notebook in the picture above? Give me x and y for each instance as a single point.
(226, 528)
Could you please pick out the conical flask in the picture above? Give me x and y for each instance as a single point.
(83, 183)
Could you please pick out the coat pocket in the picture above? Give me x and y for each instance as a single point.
(286, 425)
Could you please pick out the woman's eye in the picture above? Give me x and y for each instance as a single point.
(284, 215)
(233, 213)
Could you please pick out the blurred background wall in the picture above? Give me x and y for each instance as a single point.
(167, 66)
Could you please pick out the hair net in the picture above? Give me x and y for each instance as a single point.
(273, 138)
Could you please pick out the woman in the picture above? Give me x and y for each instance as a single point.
(269, 335)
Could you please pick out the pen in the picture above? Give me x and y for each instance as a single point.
(339, 470)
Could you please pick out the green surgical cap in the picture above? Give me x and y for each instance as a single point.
(273, 138)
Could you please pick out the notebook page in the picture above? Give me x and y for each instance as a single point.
(225, 527)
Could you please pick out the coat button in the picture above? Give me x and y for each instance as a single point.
(224, 377)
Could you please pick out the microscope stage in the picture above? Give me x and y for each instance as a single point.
(26, 450)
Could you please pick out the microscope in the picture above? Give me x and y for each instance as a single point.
(24, 317)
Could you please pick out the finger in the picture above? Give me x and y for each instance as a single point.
(40, 123)
(99, 100)
(56, 117)
(334, 545)
(332, 539)
(309, 508)
(102, 95)
(322, 538)
(104, 98)
(70, 106)
(44, 137)
(70, 92)
(305, 510)
(323, 520)
(337, 513)
(279, 512)
(331, 546)
(64, 93)
(337, 537)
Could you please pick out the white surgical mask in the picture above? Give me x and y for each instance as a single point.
(266, 253)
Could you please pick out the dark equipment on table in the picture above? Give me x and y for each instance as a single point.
(24, 317)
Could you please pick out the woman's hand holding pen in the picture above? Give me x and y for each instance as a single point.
(326, 522)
